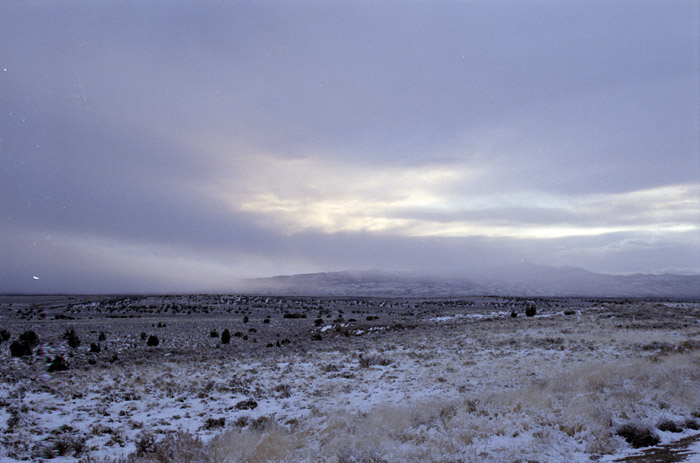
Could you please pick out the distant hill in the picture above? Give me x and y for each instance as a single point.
(520, 280)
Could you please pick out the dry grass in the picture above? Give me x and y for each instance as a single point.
(569, 412)
(550, 388)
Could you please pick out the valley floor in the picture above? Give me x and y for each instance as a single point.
(348, 379)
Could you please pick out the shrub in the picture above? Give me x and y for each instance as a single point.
(513, 314)
(143, 335)
(30, 338)
(261, 424)
(153, 340)
(214, 334)
(95, 348)
(102, 337)
(72, 338)
(4, 336)
(530, 310)
(366, 362)
(267, 320)
(58, 364)
(693, 424)
(63, 445)
(145, 443)
(318, 322)
(20, 349)
(226, 337)
(242, 422)
(179, 447)
(669, 426)
(248, 404)
(317, 337)
(245, 319)
(213, 423)
(638, 436)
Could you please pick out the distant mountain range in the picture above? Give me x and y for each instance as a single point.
(520, 280)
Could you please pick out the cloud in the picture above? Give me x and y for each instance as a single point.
(313, 193)
(163, 144)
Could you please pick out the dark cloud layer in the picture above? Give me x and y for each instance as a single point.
(179, 145)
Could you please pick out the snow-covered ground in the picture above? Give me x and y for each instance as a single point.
(425, 381)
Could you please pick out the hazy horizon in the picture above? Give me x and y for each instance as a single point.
(180, 146)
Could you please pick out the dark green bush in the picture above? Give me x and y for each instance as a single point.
(530, 310)
(20, 349)
(58, 364)
(72, 338)
(30, 338)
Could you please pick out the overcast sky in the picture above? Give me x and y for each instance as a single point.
(177, 146)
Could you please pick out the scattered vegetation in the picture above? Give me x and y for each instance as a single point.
(530, 310)
(20, 349)
(58, 364)
(30, 338)
(248, 404)
(214, 423)
(226, 336)
(669, 426)
(366, 362)
(72, 338)
(25, 345)
(638, 435)
(576, 379)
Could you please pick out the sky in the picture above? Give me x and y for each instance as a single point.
(176, 146)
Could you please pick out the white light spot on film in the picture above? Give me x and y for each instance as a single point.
(35, 277)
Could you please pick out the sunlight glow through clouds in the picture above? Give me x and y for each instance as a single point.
(301, 194)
